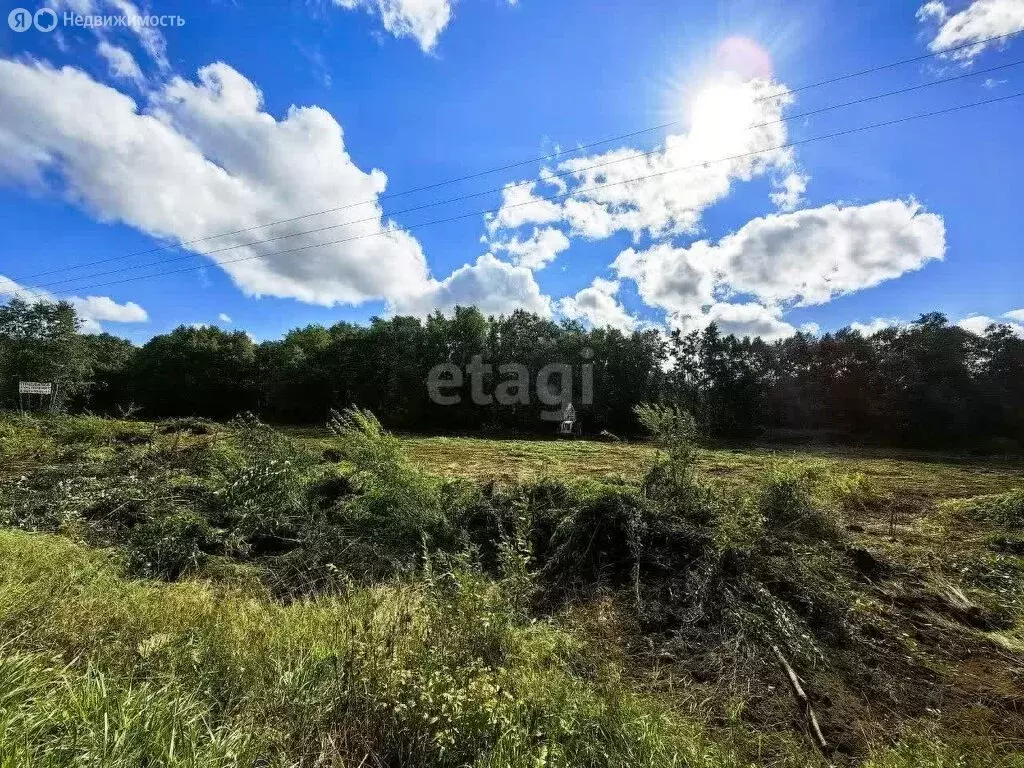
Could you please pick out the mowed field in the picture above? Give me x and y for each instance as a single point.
(189, 593)
(907, 475)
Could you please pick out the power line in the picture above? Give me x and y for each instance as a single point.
(518, 164)
(572, 172)
(837, 134)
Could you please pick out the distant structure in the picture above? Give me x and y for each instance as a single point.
(39, 389)
(568, 425)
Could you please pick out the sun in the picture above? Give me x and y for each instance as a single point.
(714, 92)
(720, 109)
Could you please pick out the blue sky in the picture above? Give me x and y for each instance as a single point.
(118, 140)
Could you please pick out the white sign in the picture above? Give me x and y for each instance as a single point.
(34, 388)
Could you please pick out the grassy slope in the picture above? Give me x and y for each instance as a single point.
(927, 476)
(101, 671)
(96, 669)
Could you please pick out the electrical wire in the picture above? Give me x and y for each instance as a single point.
(517, 164)
(836, 134)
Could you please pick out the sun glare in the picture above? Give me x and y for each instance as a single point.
(744, 57)
(721, 107)
(714, 94)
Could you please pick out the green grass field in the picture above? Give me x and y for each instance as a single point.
(928, 476)
(194, 594)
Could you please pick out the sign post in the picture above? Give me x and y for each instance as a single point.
(568, 421)
(29, 388)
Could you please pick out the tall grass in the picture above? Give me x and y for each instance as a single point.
(423, 621)
(99, 670)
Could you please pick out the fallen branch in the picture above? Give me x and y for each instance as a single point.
(801, 697)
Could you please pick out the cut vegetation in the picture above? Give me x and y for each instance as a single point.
(194, 594)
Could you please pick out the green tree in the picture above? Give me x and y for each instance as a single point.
(40, 342)
(196, 371)
(110, 363)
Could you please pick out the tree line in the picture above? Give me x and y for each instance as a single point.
(928, 383)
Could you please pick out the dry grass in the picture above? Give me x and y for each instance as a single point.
(916, 475)
(902, 613)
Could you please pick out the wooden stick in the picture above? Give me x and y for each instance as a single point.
(801, 697)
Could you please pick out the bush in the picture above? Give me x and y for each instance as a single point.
(719, 568)
(397, 512)
(855, 494)
(74, 430)
(263, 490)
(602, 539)
(789, 501)
(22, 438)
(168, 547)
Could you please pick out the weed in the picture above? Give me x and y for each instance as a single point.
(169, 546)
(368, 611)
(1005, 510)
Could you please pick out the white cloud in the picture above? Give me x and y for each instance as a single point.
(874, 325)
(978, 324)
(521, 205)
(91, 309)
(789, 192)
(493, 286)
(536, 252)
(750, 319)
(598, 307)
(423, 20)
(149, 37)
(121, 63)
(813, 255)
(224, 317)
(807, 257)
(105, 308)
(1017, 314)
(675, 279)
(10, 288)
(205, 159)
(934, 10)
(979, 21)
(736, 133)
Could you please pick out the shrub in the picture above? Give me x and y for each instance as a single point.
(263, 489)
(854, 494)
(675, 432)
(72, 430)
(603, 538)
(398, 512)
(720, 568)
(22, 438)
(168, 546)
(788, 501)
(366, 444)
